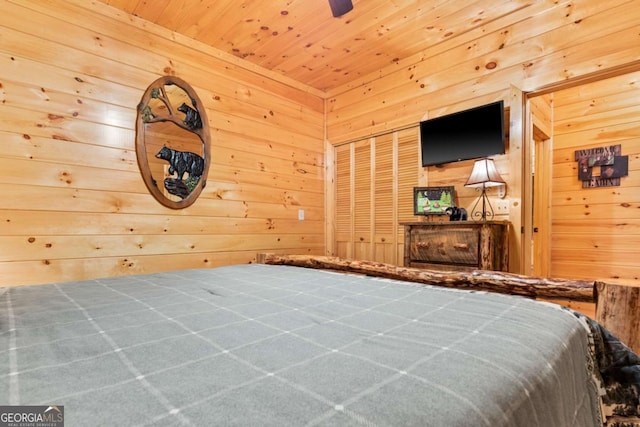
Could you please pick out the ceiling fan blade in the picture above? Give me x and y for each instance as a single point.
(340, 7)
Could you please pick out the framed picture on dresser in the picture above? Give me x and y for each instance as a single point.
(432, 200)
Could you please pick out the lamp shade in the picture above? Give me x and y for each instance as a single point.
(484, 174)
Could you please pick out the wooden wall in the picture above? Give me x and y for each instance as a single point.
(596, 231)
(554, 42)
(74, 203)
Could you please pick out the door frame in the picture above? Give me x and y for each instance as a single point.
(524, 128)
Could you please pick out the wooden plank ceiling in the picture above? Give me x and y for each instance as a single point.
(302, 40)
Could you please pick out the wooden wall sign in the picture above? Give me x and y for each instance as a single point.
(612, 166)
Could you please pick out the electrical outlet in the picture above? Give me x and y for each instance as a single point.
(502, 207)
(301, 214)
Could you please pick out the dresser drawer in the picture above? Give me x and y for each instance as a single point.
(455, 246)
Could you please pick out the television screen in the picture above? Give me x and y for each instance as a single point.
(470, 134)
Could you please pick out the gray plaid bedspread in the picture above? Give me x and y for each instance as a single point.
(264, 345)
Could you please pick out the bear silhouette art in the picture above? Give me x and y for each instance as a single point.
(192, 118)
(182, 162)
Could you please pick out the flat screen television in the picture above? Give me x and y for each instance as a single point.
(469, 134)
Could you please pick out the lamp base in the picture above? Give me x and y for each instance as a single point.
(487, 213)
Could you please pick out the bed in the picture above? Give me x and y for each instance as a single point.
(275, 345)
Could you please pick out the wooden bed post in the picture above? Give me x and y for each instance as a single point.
(618, 310)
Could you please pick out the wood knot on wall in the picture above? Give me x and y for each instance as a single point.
(65, 177)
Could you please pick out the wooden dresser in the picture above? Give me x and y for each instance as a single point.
(457, 245)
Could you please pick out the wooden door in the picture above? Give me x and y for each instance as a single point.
(541, 236)
(541, 118)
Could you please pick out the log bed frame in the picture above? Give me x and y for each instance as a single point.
(617, 306)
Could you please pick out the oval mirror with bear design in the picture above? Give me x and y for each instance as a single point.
(172, 142)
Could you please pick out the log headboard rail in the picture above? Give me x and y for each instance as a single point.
(479, 280)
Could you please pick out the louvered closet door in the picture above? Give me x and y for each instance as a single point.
(408, 172)
(344, 201)
(362, 200)
(384, 192)
(374, 194)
